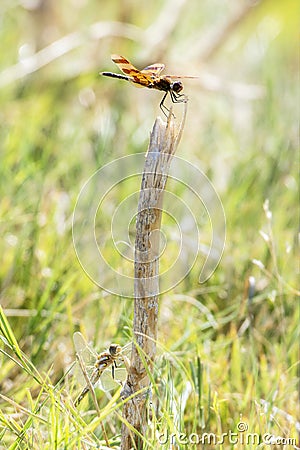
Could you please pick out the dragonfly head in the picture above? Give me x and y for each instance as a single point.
(177, 86)
(115, 349)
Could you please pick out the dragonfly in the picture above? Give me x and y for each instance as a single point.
(150, 77)
(104, 369)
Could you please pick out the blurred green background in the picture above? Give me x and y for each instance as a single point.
(61, 121)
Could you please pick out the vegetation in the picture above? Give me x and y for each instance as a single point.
(228, 348)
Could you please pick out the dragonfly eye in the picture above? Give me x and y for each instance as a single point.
(114, 349)
(177, 86)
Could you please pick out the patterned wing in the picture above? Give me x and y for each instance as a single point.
(153, 70)
(135, 75)
(124, 65)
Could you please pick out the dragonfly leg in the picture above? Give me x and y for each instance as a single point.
(175, 97)
(178, 98)
(163, 107)
(113, 370)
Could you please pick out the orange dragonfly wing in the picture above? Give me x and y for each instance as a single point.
(135, 75)
(124, 65)
(145, 76)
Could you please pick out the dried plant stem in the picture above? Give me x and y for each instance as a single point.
(164, 140)
(91, 387)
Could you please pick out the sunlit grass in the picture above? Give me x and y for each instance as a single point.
(225, 355)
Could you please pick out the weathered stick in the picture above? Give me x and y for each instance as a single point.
(164, 139)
